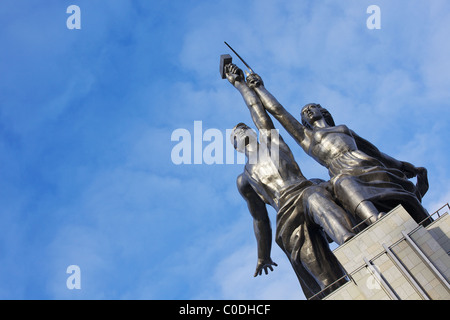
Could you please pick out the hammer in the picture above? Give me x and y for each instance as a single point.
(225, 59)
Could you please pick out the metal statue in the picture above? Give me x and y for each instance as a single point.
(366, 181)
(305, 208)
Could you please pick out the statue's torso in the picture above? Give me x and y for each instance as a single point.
(269, 176)
(330, 143)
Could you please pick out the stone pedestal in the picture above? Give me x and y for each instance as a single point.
(397, 259)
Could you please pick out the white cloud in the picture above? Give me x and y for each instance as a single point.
(234, 276)
(435, 64)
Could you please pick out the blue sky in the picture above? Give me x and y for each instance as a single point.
(86, 118)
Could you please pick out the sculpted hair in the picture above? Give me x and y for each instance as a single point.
(233, 133)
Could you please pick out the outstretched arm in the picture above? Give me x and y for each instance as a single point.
(261, 225)
(261, 119)
(271, 104)
(259, 115)
(407, 168)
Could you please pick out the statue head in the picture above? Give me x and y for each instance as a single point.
(313, 112)
(243, 137)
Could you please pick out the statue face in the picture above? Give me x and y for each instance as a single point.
(242, 137)
(311, 113)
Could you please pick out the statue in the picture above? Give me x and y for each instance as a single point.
(366, 181)
(305, 209)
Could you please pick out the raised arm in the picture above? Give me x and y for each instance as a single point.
(271, 104)
(259, 115)
(261, 119)
(261, 225)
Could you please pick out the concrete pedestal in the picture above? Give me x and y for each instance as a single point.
(397, 259)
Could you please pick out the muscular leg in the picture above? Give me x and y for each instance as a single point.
(317, 258)
(366, 210)
(326, 213)
(347, 190)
